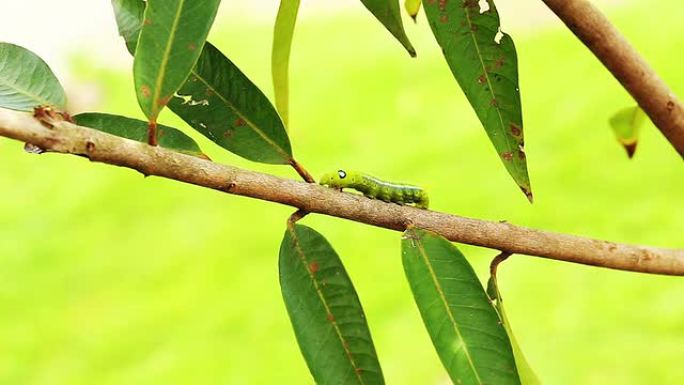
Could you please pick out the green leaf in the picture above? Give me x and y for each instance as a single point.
(170, 43)
(26, 81)
(463, 324)
(484, 62)
(280, 60)
(412, 8)
(325, 311)
(134, 129)
(527, 375)
(129, 17)
(389, 14)
(626, 125)
(219, 101)
(218, 92)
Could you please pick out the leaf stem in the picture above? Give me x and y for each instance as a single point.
(302, 171)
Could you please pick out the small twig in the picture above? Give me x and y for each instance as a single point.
(295, 217)
(504, 255)
(152, 134)
(98, 146)
(625, 63)
(302, 171)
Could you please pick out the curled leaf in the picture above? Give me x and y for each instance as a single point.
(280, 60)
(626, 125)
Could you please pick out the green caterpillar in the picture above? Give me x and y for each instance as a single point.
(375, 188)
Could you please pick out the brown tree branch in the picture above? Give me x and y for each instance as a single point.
(68, 138)
(625, 63)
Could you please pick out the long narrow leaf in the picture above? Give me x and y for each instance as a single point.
(280, 60)
(26, 81)
(464, 326)
(325, 311)
(388, 13)
(484, 62)
(134, 129)
(220, 102)
(169, 45)
(527, 375)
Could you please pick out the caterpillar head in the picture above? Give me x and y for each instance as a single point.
(338, 179)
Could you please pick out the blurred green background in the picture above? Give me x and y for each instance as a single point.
(110, 278)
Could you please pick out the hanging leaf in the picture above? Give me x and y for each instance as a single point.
(626, 125)
(219, 101)
(129, 16)
(484, 62)
(280, 60)
(527, 375)
(26, 81)
(325, 311)
(463, 324)
(389, 14)
(169, 45)
(218, 92)
(134, 129)
(412, 8)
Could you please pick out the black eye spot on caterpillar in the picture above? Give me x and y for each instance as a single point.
(375, 188)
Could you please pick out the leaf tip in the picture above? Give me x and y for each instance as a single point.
(630, 148)
(528, 193)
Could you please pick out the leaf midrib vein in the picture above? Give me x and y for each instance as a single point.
(165, 58)
(251, 124)
(489, 81)
(305, 262)
(440, 292)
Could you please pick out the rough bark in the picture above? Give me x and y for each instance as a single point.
(625, 63)
(64, 137)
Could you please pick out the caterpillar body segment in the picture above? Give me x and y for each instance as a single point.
(375, 188)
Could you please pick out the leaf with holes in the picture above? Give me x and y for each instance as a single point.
(388, 13)
(527, 375)
(170, 42)
(626, 125)
(484, 62)
(26, 81)
(219, 101)
(325, 311)
(412, 7)
(280, 59)
(134, 129)
(218, 92)
(463, 324)
(129, 16)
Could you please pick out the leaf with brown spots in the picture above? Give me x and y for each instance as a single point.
(626, 125)
(167, 48)
(388, 12)
(464, 326)
(484, 62)
(325, 311)
(221, 103)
